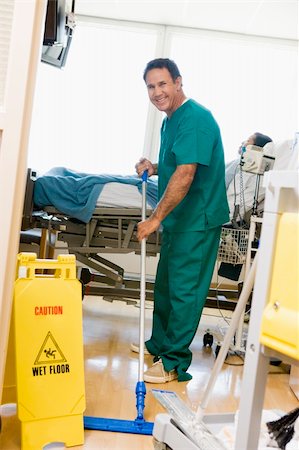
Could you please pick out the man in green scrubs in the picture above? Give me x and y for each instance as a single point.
(192, 207)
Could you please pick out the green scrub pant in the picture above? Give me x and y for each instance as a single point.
(183, 279)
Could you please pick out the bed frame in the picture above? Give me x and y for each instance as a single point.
(110, 230)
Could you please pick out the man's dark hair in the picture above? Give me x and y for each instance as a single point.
(161, 63)
(261, 139)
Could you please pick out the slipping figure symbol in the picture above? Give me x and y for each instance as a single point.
(50, 353)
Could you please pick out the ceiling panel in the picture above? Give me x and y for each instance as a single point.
(257, 17)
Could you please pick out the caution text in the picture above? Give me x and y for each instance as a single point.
(48, 310)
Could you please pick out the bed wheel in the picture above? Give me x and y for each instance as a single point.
(83, 289)
(85, 276)
(208, 339)
(217, 350)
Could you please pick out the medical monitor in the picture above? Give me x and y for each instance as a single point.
(255, 160)
(58, 32)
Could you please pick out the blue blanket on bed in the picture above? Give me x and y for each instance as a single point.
(76, 194)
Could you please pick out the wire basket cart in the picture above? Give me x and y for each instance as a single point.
(233, 245)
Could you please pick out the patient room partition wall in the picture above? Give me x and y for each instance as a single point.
(21, 37)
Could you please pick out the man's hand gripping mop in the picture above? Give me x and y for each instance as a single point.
(184, 428)
(139, 425)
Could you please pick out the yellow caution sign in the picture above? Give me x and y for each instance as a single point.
(280, 321)
(49, 351)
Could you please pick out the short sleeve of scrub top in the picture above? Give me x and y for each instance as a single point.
(191, 138)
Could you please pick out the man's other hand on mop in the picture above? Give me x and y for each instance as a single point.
(146, 227)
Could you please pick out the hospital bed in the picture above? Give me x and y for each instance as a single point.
(109, 228)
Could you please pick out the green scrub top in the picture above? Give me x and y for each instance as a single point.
(191, 135)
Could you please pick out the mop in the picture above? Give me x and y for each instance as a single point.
(282, 430)
(139, 425)
(190, 422)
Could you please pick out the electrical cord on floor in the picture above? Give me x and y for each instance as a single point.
(235, 364)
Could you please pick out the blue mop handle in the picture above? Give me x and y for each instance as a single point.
(140, 392)
(144, 176)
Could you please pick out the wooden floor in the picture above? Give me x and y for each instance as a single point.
(111, 372)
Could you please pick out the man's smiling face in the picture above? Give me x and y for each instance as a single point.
(163, 92)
